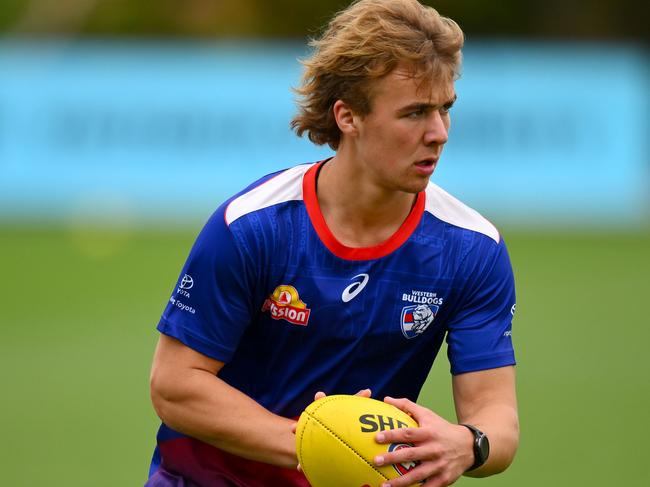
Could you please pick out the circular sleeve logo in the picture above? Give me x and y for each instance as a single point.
(187, 282)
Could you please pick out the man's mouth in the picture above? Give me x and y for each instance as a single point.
(426, 162)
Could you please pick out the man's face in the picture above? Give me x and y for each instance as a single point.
(399, 142)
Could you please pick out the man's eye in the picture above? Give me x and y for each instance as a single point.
(446, 108)
(416, 113)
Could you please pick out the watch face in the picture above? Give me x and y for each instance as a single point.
(484, 447)
(481, 446)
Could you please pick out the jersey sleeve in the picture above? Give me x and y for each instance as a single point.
(211, 304)
(480, 332)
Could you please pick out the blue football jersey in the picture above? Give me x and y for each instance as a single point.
(270, 291)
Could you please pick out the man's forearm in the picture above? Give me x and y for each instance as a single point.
(499, 422)
(199, 404)
(486, 399)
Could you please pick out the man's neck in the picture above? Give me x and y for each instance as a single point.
(358, 212)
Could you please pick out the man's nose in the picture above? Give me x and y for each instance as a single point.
(437, 130)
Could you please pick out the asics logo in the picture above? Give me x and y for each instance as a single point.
(350, 292)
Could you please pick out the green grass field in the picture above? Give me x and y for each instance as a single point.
(77, 331)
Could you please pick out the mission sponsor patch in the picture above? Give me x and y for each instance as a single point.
(285, 304)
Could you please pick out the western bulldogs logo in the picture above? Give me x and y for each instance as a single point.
(402, 468)
(416, 319)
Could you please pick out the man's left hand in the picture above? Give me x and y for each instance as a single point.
(444, 450)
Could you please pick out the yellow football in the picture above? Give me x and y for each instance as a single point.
(335, 441)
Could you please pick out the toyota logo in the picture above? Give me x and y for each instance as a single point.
(187, 282)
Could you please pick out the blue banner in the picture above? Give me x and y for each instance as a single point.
(541, 133)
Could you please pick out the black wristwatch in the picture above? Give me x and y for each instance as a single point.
(481, 446)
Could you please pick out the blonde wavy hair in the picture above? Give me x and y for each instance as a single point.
(363, 43)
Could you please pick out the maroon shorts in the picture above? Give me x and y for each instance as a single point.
(163, 478)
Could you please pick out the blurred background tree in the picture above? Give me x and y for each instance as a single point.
(576, 19)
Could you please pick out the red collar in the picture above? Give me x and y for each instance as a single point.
(356, 253)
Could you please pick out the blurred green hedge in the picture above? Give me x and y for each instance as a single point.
(577, 19)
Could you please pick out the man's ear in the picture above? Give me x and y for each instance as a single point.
(345, 118)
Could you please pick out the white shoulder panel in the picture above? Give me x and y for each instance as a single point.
(286, 186)
(444, 206)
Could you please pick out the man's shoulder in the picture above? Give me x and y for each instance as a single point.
(273, 189)
(451, 210)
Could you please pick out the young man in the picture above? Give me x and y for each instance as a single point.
(342, 276)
